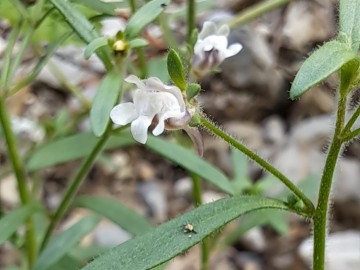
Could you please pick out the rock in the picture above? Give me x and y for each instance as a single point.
(145, 171)
(248, 132)
(248, 261)
(255, 239)
(109, 234)
(342, 251)
(183, 187)
(8, 191)
(26, 129)
(154, 198)
(346, 183)
(211, 196)
(274, 130)
(307, 22)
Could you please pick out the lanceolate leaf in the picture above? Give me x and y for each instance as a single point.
(10, 222)
(106, 96)
(145, 15)
(82, 27)
(169, 239)
(349, 21)
(94, 45)
(190, 161)
(322, 63)
(72, 147)
(112, 209)
(63, 242)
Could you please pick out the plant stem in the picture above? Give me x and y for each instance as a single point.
(351, 135)
(320, 217)
(198, 201)
(351, 121)
(75, 184)
(20, 174)
(255, 11)
(191, 13)
(264, 164)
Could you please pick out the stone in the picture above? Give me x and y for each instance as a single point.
(255, 239)
(110, 235)
(8, 191)
(342, 251)
(154, 199)
(183, 187)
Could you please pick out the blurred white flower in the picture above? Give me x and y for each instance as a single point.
(211, 48)
(153, 102)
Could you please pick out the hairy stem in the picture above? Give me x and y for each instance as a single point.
(191, 12)
(321, 213)
(198, 201)
(74, 185)
(263, 163)
(351, 121)
(20, 174)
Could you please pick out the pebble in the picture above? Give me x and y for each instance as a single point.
(183, 187)
(8, 191)
(154, 199)
(109, 234)
(342, 252)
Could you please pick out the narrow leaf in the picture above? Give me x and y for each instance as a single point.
(107, 8)
(169, 239)
(349, 21)
(106, 96)
(94, 45)
(10, 222)
(145, 15)
(63, 242)
(176, 69)
(138, 42)
(190, 161)
(82, 27)
(71, 148)
(112, 209)
(321, 64)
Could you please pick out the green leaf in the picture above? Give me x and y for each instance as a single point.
(106, 96)
(113, 210)
(10, 222)
(349, 21)
(190, 161)
(138, 42)
(60, 244)
(107, 8)
(176, 69)
(66, 263)
(169, 239)
(145, 15)
(94, 45)
(321, 64)
(50, 50)
(71, 148)
(82, 27)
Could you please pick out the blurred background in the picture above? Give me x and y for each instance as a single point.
(248, 98)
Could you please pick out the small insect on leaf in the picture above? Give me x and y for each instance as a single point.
(188, 228)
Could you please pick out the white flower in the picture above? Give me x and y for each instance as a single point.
(211, 48)
(153, 102)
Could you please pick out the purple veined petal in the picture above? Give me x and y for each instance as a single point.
(139, 128)
(233, 49)
(123, 113)
(135, 80)
(224, 30)
(162, 118)
(208, 29)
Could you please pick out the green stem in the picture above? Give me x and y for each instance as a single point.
(264, 164)
(198, 201)
(351, 121)
(132, 5)
(320, 217)
(74, 185)
(20, 174)
(351, 135)
(255, 11)
(191, 13)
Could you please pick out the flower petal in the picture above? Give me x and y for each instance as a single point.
(233, 49)
(208, 29)
(135, 80)
(123, 113)
(139, 128)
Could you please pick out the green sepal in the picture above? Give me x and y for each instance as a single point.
(192, 90)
